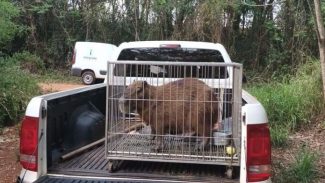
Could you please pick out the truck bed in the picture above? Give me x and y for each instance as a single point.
(93, 164)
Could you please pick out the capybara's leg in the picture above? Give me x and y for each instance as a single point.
(156, 139)
(204, 144)
(159, 139)
(153, 132)
(205, 136)
(159, 144)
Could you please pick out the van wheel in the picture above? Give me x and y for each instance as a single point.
(88, 77)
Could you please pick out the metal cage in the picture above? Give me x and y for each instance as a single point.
(129, 133)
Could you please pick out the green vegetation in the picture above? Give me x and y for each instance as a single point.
(19, 77)
(50, 28)
(16, 89)
(279, 135)
(302, 170)
(291, 102)
(8, 28)
(28, 62)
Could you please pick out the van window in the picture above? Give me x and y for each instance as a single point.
(171, 55)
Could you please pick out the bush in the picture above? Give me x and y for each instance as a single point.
(16, 89)
(26, 61)
(292, 102)
(302, 170)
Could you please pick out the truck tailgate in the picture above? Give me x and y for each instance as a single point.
(94, 164)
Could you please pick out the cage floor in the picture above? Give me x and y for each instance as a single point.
(140, 145)
(94, 163)
(175, 149)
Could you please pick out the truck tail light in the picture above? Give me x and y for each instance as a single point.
(74, 56)
(258, 152)
(28, 143)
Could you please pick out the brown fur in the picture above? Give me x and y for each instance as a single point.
(183, 106)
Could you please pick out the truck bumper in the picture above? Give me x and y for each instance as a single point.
(266, 181)
(84, 179)
(102, 72)
(76, 72)
(27, 176)
(69, 179)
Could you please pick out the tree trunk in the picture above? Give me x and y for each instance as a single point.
(136, 20)
(321, 40)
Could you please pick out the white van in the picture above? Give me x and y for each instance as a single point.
(90, 60)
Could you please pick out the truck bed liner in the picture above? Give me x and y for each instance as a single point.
(93, 164)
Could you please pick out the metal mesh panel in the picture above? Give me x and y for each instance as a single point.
(185, 112)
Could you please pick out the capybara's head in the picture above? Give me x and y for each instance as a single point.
(133, 96)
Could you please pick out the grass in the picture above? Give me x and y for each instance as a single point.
(291, 102)
(279, 135)
(302, 170)
(57, 76)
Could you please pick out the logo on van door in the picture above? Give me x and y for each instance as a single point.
(90, 57)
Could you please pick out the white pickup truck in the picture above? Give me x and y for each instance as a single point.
(72, 136)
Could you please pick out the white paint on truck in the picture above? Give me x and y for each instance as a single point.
(28, 176)
(33, 107)
(252, 108)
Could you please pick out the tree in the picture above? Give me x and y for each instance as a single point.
(320, 31)
(268, 35)
(8, 28)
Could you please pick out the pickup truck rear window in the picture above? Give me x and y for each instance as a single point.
(171, 55)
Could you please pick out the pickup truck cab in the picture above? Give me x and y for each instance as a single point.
(63, 137)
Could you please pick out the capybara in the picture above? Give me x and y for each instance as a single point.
(182, 106)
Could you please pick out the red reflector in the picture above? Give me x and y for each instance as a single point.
(170, 46)
(258, 152)
(28, 143)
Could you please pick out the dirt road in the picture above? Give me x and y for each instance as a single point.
(9, 139)
(54, 87)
